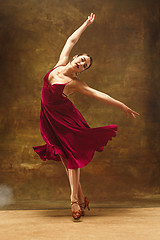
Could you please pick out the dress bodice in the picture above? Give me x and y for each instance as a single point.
(53, 93)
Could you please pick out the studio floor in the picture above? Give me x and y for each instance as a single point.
(109, 223)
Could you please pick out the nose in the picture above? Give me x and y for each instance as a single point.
(82, 63)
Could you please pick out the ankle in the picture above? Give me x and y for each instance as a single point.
(74, 198)
(81, 199)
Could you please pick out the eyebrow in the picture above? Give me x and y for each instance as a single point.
(85, 61)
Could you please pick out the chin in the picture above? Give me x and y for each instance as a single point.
(73, 66)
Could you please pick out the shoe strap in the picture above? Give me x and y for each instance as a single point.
(72, 202)
(81, 204)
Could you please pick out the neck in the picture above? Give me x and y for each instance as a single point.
(69, 71)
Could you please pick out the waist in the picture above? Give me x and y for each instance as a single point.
(56, 103)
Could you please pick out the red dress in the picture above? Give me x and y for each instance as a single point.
(65, 130)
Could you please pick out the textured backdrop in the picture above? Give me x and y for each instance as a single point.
(124, 42)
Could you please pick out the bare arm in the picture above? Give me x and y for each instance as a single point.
(73, 39)
(85, 89)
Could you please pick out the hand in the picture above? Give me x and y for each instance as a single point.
(128, 111)
(90, 19)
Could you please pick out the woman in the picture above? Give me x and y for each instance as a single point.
(67, 135)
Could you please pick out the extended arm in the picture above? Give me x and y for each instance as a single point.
(85, 89)
(73, 39)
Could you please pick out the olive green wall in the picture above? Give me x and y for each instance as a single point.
(125, 44)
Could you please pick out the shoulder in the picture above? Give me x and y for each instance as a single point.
(78, 83)
(55, 71)
(59, 67)
(61, 63)
(80, 86)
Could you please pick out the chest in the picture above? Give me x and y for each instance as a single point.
(58, 78)
(65, 84)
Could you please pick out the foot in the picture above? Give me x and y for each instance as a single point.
(76, 210)
(83, 205)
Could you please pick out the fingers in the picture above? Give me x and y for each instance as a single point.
(135, 112)
(91, 17)
(132, 114)
(128, 111)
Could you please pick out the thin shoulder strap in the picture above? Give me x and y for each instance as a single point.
(57, 66)
(52, 70)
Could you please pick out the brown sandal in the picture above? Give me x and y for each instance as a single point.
(84, 205)
(76, 214)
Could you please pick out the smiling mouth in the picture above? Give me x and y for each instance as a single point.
(77, 65)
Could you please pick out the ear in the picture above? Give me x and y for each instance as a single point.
(75, 56)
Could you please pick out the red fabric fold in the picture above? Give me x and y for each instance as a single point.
(65, 130)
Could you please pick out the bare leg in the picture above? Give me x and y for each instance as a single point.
(80, 192)
(74, 179)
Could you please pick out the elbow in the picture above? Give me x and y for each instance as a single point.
(72, 40)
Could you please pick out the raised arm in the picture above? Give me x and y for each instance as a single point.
(85, 89)
(73, 39)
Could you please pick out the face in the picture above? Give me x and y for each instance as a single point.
(80, 63)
